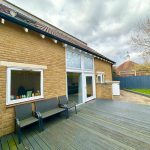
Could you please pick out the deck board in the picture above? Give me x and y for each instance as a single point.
(4, 143)
(0, 145)
(99, 125)
(19, 146)
(11, 143)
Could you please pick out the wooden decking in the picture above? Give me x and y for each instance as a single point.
(99, 125)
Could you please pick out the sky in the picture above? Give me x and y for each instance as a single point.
(106, 25)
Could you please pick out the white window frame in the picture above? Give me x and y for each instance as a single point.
(83, 72)
(102, 77)
(8, 87)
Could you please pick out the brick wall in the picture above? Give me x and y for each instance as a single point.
(103, 90)
(101, 66)
(30, 48)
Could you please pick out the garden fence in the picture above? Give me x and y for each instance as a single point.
(139, 82)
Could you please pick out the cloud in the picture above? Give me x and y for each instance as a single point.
(104, 25)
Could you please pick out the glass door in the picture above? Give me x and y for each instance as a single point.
(89, 88)
(74, 84)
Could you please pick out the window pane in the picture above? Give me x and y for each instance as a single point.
(89, 86)
(99, 78)
(73, 60)
(88, 63)
(74, 81)
(25, 84)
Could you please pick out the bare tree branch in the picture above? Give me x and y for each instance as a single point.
(140, 39)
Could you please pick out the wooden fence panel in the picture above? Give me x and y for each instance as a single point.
(139, 82)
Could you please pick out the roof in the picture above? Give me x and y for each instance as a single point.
(21, 17)
(126, 66)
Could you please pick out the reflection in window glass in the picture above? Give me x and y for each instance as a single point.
(73, 60)
(89, 86)
(88, 63)
(74, 81)
(25, 84)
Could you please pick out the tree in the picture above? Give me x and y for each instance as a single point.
(140, 40)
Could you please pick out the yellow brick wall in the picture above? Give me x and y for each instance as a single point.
(103, 90)
(30, 48)
(101, 66)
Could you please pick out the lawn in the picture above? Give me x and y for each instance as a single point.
(143, 91)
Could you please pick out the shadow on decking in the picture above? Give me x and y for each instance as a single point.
(99, 125)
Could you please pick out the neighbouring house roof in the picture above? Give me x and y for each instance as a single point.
(126, 66)
(16, 15)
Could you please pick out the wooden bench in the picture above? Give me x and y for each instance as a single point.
(24, 117)
(47, 108)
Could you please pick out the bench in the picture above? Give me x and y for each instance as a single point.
(67, 104)
(24, 117)
(47, 108)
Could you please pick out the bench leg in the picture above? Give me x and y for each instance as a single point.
(42, 126)
(67, 113)
(76, 109)
(19, 134)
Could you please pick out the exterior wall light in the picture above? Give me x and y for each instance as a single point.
(26, 29)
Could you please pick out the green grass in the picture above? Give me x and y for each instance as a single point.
(143, 91)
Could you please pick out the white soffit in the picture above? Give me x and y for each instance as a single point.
(23, 65)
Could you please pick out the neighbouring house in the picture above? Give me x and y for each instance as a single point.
(39, 61)
(130, 68)
(127, 68)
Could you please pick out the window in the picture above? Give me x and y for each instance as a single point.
(73, 60)
(24, 85)
(88, 63)
(100, 77)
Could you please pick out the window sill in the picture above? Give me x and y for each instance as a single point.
(12, 103)
(100, 82)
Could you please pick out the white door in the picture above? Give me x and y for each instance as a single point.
(89, 87)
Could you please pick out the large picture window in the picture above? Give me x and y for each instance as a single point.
(24, 85)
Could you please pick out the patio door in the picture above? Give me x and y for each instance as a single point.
(89, 87)
(74, 86)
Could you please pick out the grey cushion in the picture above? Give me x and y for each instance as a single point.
(23, 111)
(46, 105)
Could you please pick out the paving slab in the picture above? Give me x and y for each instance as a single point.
(132, 97)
